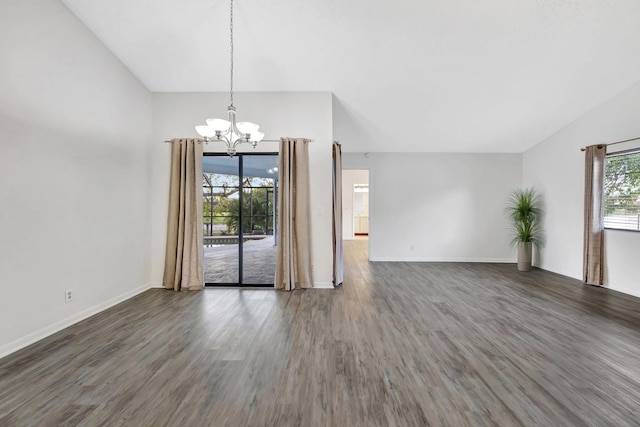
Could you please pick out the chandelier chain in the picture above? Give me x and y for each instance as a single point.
(229, 131)
(231, 44)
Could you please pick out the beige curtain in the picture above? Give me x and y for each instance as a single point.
(293, 259)
(183, 259)
(593, 215)
(338, 266)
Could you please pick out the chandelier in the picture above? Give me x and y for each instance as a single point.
(229, 131)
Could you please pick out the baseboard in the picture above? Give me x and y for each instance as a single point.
(631, 292)
(25, 341)
(156, 285)
(323, 285)
(635, 293)
(426, 259)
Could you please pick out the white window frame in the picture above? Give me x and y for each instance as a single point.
(627, 215)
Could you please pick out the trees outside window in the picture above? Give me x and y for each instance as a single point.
(221, 205)
(622, 191)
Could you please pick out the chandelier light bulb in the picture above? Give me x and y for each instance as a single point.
(205, 131)
(247, 127)
(219, 125)
(257, 136)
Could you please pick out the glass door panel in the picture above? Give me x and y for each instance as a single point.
(260, 174)
(221, 197)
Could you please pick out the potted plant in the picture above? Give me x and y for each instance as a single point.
(524, 209)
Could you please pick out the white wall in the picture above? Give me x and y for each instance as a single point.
(556, 168)
(438, 207)
(349, 178)
(282, 114)
(74, 131)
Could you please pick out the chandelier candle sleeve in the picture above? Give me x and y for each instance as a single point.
(228, 131)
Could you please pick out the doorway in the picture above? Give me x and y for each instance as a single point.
(361, 210)
(239, 219)
(355, 205)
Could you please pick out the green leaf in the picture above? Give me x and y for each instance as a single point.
(524, 209)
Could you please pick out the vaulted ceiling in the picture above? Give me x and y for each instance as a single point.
(407, 75)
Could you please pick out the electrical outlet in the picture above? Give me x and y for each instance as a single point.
(68, 295)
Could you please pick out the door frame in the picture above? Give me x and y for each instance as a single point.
(370, 236)
(240, 283)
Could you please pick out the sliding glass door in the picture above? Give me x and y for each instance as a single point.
(239, 210)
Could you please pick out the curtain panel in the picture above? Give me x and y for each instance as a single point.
(338, 258)
(293, 256)
(593, 253)
(184, 252)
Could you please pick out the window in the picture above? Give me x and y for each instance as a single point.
(622, 191)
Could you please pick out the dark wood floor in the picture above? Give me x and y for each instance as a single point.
(401, 344)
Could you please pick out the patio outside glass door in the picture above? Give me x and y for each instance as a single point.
(239, 203)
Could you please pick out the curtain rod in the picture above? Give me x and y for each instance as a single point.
(614, 143)
(264, 140)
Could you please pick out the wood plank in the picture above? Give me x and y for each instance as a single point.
(400, 344)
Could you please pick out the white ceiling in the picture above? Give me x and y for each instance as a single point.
(407, 75)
